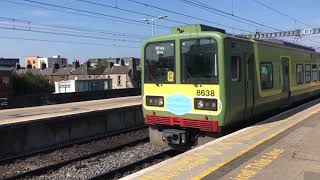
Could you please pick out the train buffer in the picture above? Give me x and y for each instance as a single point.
(286, 146)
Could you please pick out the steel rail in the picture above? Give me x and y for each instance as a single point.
(55, 166)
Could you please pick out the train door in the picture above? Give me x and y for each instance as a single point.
(285, 79)
(241, 80)
(248, 56)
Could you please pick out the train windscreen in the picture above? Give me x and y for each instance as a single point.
(160, 62)
(199, 61)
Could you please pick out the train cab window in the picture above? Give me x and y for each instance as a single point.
(308, 73)
(300, 77)
(235, 68)
(319, 72)
(199, 61)
(314, 72)
(160, 62)
(266, 76)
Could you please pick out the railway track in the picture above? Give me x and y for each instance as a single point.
(43, 169)
(136, 166)
(69, 144)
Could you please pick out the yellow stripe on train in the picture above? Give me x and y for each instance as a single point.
(187, 90)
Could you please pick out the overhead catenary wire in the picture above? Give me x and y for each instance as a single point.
(229, 17)
(20, 28)
(189, 16)
(281, 13)
(66, 42)
(72, 13)
(118, 18)
(75, 28)
(211, 9)
(128, 10)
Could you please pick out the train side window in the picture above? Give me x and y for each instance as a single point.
(319, 71)
(308, 73)
(266, 75)
(235, 68)
(300, 77)
(314, 73)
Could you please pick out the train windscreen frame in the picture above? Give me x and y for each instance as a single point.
(160, 62)
(199, 63)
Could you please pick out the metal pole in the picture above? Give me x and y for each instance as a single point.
(152, 24)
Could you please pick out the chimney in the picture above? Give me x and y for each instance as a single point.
(111, 64)
(43, 66)
(29, 66)
(88, 63)
(56, 66)
(17, 66)
(75, 64)
(122, 62)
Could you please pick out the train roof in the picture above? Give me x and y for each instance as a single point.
(194, 28)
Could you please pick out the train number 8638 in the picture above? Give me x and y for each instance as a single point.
(205, 92)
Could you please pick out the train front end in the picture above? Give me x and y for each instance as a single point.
(182, 78)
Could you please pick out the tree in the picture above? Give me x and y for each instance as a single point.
(28, 83)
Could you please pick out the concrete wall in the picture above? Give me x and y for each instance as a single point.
(44, 99)
(25, 138)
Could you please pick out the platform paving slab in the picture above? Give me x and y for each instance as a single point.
(204, 161)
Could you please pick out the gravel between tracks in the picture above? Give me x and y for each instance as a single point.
(41, 160)
(103, 163)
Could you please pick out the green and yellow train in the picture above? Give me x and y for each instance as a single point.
(198, 80)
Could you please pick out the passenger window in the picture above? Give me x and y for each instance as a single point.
(235, 68)
(319, 72)
(266, 75)
(308, 73)
(314, 72)
(299, 74)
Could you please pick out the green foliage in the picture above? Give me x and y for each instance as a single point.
(28, 83)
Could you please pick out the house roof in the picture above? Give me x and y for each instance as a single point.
(117, 70)
(32, 71)
(63, 71)
(47, 71)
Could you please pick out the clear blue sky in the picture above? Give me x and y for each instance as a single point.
(306, 11)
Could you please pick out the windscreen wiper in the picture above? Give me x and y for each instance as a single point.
(190, 78)
(151, 75)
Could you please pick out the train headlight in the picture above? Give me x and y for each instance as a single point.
(155, 101)
(199, 104)
(205, 104)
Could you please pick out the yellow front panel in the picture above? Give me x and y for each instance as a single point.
(186, 90)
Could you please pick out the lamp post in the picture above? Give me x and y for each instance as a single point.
(152, 22)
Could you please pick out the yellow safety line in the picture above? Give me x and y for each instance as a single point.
(242, 152)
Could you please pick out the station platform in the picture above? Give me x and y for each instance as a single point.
(286, 146)
(22, 115)
(27, 130)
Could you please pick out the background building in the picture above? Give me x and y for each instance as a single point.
(37, 62)
(5, 82)
(82, 85)
(32, 61)
(9, 62)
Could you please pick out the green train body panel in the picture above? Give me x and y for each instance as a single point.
(238, 100)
